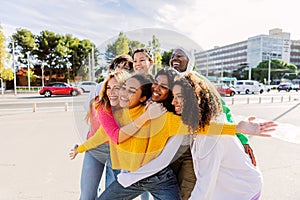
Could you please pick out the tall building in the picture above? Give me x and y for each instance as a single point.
(277, 45)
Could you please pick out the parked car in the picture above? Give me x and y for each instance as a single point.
(287, 87)
(263, 88)
(247, 86)
(87, 86)
(59, 88)
(226, 90)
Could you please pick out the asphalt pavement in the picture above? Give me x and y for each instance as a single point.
(34, 162)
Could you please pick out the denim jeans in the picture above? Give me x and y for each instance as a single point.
(145, 196)
(92, 170)
(111, 174)
(162, 186)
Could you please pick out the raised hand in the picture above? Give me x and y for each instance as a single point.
(254, 128)
(155, 110)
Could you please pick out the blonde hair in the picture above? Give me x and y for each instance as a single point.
(102, 99)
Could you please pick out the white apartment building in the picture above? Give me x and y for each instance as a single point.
(277, 45)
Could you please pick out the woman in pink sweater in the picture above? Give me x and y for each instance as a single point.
(95, 159)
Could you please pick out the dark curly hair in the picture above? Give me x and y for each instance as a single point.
(171, 74)
(190, 110)
(201, 102)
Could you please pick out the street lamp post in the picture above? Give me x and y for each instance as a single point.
(250, 72)
(222, 70)
(28, 71)
(43, 83)
(269, 70)
(90, 68)
(93, 65)
(206, 65)
(2, 88)
(14, 67)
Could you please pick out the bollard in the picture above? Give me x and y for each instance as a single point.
(272, 99)
(66, 107)
(281, 99)
(259, 100)
(232, 101)
(248, 100)
(289, 98)
(34, 107)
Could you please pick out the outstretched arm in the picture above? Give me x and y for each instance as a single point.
(253, 128)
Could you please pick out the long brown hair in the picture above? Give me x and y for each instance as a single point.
(102, 99)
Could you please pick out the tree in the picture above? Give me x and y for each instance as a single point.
(82, 57)
(5, 73)
(241, 72)
(2, 48)
(24, 42)
(154, 45)
(122, 45)
(166, 56)
(51, 50)
(133, 45)
(60, 54)
(278, 69)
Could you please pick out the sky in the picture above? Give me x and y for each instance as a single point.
(205, 23)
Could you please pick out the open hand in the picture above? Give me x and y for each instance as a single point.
(73, 152)
(155, 110)
(254, 128)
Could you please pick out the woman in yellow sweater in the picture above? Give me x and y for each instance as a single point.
(146, 144)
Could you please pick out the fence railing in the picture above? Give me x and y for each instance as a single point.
(262, 99)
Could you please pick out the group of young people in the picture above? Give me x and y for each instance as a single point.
(170, 135)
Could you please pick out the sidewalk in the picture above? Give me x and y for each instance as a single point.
(34, 162)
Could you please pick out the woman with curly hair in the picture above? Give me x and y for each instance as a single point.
(222, 168)
(143, 158)
(183, 61)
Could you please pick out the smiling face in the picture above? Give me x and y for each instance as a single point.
(112, 91)
(141, 63)
(178, 99)
(179, 60)
(130, 94)
(160, 88)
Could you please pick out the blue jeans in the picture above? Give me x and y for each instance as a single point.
(92, 170)
(162, 186)
(111, 174)
(145, 196)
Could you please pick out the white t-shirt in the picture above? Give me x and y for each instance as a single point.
(223, 169)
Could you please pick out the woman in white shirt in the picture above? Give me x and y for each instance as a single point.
(222, 168)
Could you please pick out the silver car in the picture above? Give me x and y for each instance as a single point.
(86, 86)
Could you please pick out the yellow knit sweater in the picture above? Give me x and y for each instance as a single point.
(150, 140)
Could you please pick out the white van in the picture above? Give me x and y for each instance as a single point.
(247, 86)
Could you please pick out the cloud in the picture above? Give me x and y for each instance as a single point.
(207, 22)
